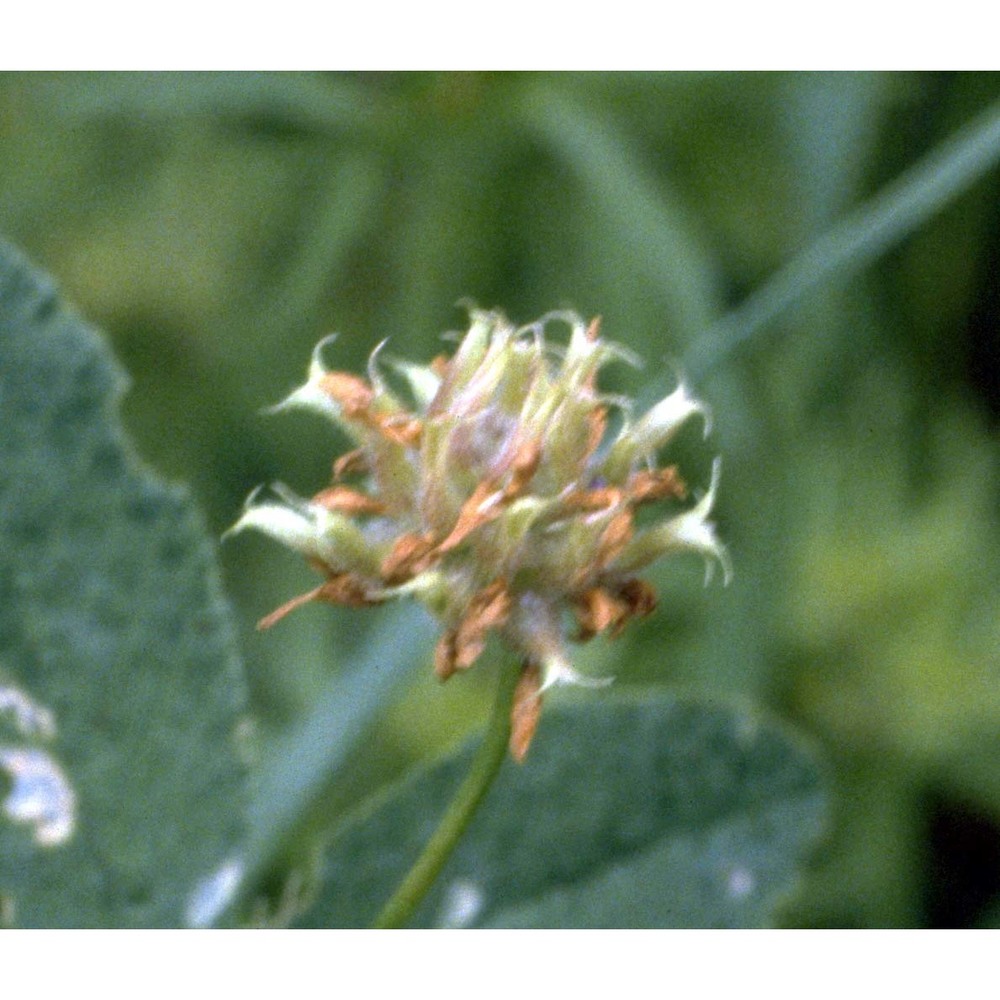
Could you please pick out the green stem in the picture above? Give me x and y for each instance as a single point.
(491, 754)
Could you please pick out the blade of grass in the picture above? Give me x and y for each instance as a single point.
(340, 214)
(657, 235)
(859, 238)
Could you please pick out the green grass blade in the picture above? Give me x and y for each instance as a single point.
(859, 238)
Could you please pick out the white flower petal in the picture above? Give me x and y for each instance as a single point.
(290, 527)
(641, 439)
(693, 531)
(309, 397)
(423, 383)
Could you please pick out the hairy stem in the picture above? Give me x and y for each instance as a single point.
(485, 765)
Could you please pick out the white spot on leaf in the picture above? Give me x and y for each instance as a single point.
(463, 902)
(213, 894)
(29, 719)
(39, 795)
(740, 883)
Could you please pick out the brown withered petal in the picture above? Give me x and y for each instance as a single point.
(597, 609)
(599, 498)
(640, 597)
(523, 468)
(470, 517)
(488, 609)
(445, 656)
(411, 554)
(339, 588)
(615, 537)
(597, 421)
(647, 485)
(402, 429)
(348, 589)
(352, 392)
(525, 711)
(275, 616)
(352, 463)
(469, 646)
(349, 501)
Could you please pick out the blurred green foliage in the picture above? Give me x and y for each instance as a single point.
(219, 224)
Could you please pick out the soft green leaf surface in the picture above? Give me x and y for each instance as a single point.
(665, 813)
(121, 790)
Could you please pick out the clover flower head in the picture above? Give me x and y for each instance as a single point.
(496, 496)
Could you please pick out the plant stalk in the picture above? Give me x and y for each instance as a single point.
(485, 765)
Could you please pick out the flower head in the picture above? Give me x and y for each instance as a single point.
(494, 497)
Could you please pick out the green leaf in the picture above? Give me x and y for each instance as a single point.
(121, 790)
(656, 813)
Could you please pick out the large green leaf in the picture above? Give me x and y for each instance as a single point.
(121, 789)
(657, 813)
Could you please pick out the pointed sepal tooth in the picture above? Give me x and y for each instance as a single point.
(654, 429)
(690, 531)
(422, 381)
(310, 529)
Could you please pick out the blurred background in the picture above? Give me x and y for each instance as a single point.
(217, 225)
